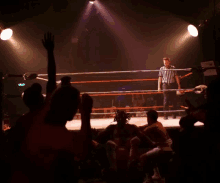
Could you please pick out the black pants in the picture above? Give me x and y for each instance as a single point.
(169, 98)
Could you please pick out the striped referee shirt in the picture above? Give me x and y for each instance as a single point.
(168, 76)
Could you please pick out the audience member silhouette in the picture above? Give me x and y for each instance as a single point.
(65, 81)
(48, 141)
(209, 115)
(55, 144)
(34, 99)
(190, 151)
(157, 133)
(122, 142)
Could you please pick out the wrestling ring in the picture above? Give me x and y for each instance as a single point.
(103, 116)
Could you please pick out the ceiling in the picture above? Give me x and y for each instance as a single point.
(193, 11)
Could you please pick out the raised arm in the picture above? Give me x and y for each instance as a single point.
(48, 43)
(86, 132)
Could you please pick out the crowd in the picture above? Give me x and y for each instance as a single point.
(40, 148)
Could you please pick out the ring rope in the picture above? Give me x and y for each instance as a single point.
(80, 82)
(138, 91)
(184, 107)
(41, 78)
(110, 81)
(186, 75)
(112, 93)
(116, 72)
(113, 72)
(131, 93)
(122, 80)
(126, 108)
(171, 111)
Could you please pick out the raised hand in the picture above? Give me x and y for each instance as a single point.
(48, 41)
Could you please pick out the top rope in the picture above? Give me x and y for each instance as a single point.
(112, 72)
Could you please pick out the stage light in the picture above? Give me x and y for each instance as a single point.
(92, 2)
(193, 30)
(6, 34)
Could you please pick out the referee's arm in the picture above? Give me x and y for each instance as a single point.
(178, 81)
(159, 82)
(160, 76)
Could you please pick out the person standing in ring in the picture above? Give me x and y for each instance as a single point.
(169, 79)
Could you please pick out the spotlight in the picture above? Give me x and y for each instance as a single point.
(6, 34)
(193, 30)
(92, 1)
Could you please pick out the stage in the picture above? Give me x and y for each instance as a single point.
(139, 121)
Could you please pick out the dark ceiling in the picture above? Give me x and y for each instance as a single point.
(192, 11)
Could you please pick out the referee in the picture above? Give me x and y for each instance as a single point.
(168, 78)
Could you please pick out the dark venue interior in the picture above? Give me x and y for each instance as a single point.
(103, 91)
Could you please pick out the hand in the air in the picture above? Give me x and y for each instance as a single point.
(48, 41)
(86, 104)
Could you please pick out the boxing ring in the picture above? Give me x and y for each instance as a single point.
(102, 117)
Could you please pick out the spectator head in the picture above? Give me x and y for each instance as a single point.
(152, 116)
(33, 97)
(187, 122)
(65, 81)
(166, 61)
(122, 118)
(64, 105)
